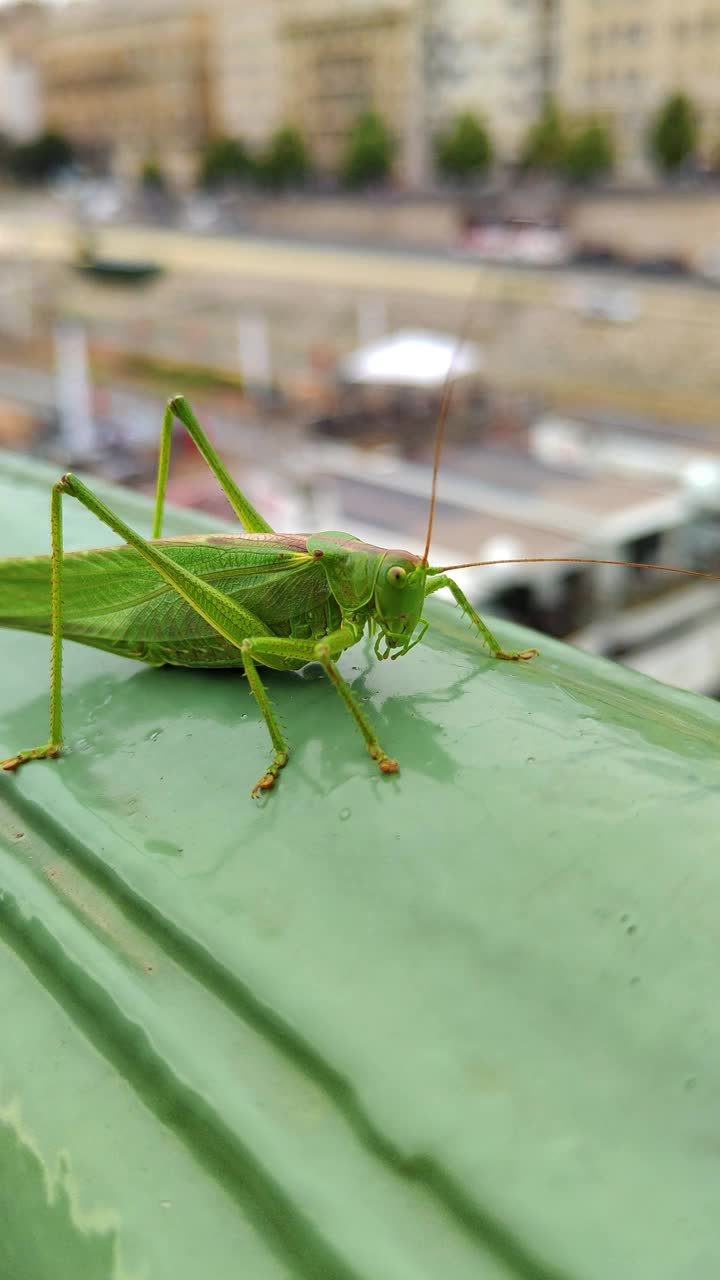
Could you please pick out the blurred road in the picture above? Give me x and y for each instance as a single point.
(350, 267)
(642, 346)
(255, 258)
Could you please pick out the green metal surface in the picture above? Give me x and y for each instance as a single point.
(457, 1023)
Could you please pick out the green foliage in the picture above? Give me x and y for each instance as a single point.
(589, 154)
(40, 159)
(157, 369)
(369, 154)
(224, 161)
(545, 145)
(286, 162)
(465, 150)
(674, 133)
(152, 175)
(714, 159)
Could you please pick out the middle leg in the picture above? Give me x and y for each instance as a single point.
(273, 648)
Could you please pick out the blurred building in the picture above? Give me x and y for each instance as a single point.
(127, 78)
(129, 82)
(497, 505)
(320, 65)
(620, 60)
(130, 78)
(246, 69)
(496, 59)
(341, 61)
(21, 29)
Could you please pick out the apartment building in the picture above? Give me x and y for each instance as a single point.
(619, 59)
(128, 81)
(246, 71)
(494, 58)
(129, 77)
(418, 63)
(126, 78)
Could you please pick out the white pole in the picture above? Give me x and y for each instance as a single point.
(254, 349)
(72, 389)
(371, 320)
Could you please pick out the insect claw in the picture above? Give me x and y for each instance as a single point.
(23, 757)
(523, 656)
(385, 763)
(264, 784)
(268, 779)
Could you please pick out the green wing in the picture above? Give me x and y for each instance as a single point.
(114, 600)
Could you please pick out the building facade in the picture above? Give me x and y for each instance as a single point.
(131, 78)
(417, 62)
(245, 69)
(620, 59)
(129, 82)
(318, 65)
(493, 59)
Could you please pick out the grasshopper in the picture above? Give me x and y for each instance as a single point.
(251, 599)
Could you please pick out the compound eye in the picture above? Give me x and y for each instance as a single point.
(396, 575)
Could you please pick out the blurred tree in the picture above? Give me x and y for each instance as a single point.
(40, 159)
(286, 162)
(369, 153)
(674, 133)
(589, 154)
(545, 144)
(152, 175)
(714, 164)
(224, 161)
(464, 151)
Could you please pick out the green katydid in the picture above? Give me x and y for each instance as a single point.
(257, 598)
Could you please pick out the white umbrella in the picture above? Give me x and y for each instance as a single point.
(411, 358)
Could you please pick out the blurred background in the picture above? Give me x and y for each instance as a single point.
(300, 213)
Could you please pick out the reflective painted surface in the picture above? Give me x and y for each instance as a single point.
(460, 1022)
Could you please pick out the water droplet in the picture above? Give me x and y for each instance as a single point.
(344, 815)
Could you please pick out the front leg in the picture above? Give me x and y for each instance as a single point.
(497, 652)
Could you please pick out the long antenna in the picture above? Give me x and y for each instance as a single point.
(628, 564)
(443, 414)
